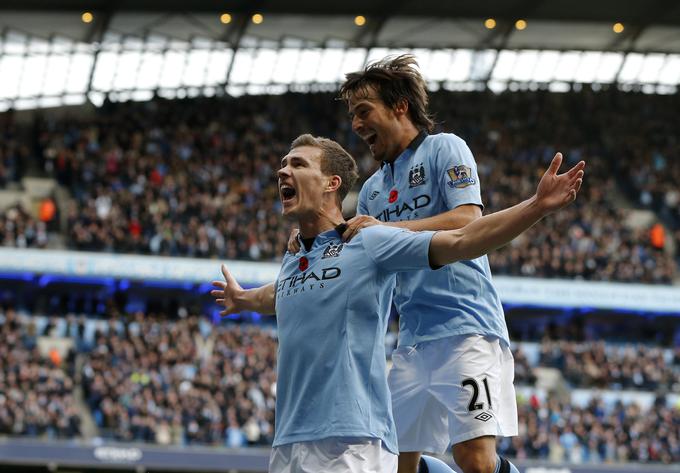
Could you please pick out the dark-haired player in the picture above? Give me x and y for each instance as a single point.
(452, 375)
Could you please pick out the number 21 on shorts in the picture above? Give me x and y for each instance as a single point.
(474, 405)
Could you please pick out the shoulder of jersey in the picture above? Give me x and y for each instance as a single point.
(444, 137)
(372, 177)
(370, 186)
(379, 229)
(357, 239)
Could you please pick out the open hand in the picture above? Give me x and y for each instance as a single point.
(556, 191)
(228, 293)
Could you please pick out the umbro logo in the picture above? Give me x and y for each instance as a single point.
(332, 251)
(483, 416)
(373, 195)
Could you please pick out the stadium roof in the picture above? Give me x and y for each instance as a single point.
(649, 26)
(73, 51)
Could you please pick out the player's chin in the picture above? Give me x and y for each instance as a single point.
(288, 209)
(378, 155)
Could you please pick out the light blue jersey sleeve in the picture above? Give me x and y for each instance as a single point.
(396, 249)
(456, 171)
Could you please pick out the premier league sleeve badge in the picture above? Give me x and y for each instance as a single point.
(461, 176)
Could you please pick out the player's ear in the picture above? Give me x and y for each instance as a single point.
(334, 183)
(401, 107)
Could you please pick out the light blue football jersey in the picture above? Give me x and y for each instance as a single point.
(436, 173)
(332, 306)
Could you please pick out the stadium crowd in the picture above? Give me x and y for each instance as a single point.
(174, 178)
(597, 365)
(36, 391)
(648, 155)
(597, 433)
(197, 177)
(147, 378)
(513, 137)
(170, 383)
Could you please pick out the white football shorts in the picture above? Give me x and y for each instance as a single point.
(333, 455)
(451, 390)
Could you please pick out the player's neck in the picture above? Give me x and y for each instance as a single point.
(327, 218)
(408, 134)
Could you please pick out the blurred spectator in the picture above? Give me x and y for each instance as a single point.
(47, 213)
(19, 229)
(12, 154)
(524, 372)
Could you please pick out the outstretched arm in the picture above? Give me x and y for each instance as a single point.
(495, 230)
(449, 220)
(234, 298)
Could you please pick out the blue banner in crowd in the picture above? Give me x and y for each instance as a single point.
(517, 291)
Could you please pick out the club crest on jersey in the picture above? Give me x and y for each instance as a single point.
(461, 176)
(332, 251)
(373, 195)
(416, 176)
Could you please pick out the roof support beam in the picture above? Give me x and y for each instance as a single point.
(99, 25)
(368, 36)
(95, 35)
(236, 30)
(233, 36)
(650, 15)
(506, 25)
(502, 31)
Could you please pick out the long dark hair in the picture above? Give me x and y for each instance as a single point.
(393, 78)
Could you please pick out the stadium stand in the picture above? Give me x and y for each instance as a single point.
(154, 381)
(512, 135)
(197, 177)
(148, 378)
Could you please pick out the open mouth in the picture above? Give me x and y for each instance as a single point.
(287, 192)
(371, 139)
